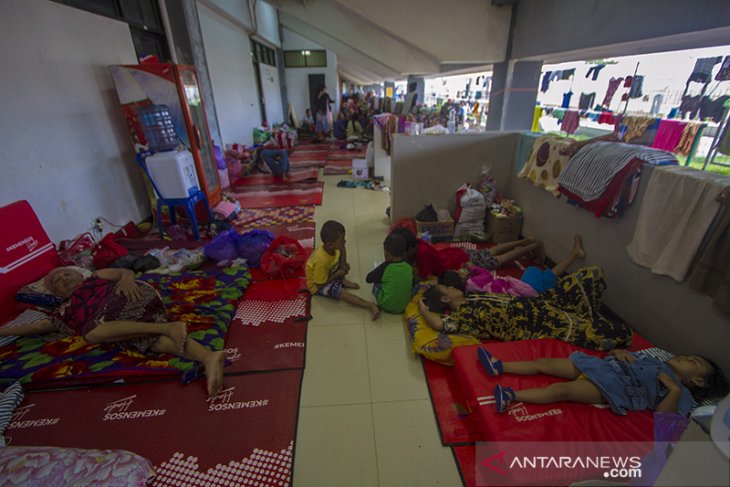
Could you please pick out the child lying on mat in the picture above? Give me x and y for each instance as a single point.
(109, 306)
(534, 280)
(623, 380)
(428, 260)
(327, 267)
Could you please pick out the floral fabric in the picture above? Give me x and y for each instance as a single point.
(205, 300)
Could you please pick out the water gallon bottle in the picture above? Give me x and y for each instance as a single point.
(157, 127)
(452, 121)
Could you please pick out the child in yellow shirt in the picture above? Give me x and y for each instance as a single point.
(327, 268)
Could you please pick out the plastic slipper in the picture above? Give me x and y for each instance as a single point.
(503, 397)
(493, 368)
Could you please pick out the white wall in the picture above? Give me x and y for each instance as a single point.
(297, 79)
(267, 23)
(65, 147)
(228, 53)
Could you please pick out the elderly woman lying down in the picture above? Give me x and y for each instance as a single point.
(568, 312)
(109, 306)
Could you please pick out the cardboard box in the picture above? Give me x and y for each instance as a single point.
(360, 169)
(503, 229)
(440, 231)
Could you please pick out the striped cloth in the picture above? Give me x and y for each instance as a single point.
(9, 400)
(593, 167)
(27, 316)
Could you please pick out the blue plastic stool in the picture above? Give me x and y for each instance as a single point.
(188, 203)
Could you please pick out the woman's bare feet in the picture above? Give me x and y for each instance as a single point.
(374, 311)
(578, 250)
(350, 285)
(213, 364)
(177, 331)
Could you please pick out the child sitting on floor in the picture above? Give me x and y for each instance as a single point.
(623, 380)
(327, 267)
(393, 279)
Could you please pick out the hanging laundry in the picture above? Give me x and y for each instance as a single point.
(546, 78)
(635, 126)
(566, 99)
(711, 275)
(628, 81)
(656, 104)
(567, 73)
(669, 231)
(593, 167)
(635, 91)
(612, 87)
(702, 72)
(668, 134)
(595, 70)
(724, 73)
(689, 105)
(712, 109)
(545, 162)
(687, 139)
(607, 117)
(571, 122)
(586, 101)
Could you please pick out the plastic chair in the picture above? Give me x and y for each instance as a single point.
(187, 203)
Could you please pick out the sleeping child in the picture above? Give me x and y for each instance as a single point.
(624, 380)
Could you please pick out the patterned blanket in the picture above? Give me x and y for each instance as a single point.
(206, 300)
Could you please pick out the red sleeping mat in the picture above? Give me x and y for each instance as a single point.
(26, 253)
(540, 422)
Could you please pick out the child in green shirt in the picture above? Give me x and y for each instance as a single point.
(393, 279)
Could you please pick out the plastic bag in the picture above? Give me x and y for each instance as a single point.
(77, 251)
(285, 258)
(253, 244)
(427, 214)
(107, 251)
(470, 204)
(487, 185)
(223, 247)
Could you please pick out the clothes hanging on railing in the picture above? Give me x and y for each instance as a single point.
(636, 86)
(595, 70)
(669, 231)
(724, 73)
(586, 101)
(687, 139)
(668, 134)
(571, 122)
(702, 72)
(613, 85)
(711, 275)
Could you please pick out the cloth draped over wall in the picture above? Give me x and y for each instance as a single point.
(677, 209)
(711, 275)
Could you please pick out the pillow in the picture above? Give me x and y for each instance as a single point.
(9, 400)
(432, 344)
(38, 294)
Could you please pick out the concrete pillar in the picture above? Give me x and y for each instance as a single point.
(513, 95)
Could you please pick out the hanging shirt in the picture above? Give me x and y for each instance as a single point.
(635, 91)
(586, 101)
(724, 73)
(613, 84)
(566, 99)
(702, 72)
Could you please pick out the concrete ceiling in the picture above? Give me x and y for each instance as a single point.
(385, 40)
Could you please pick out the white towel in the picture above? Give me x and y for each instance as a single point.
(676, 211)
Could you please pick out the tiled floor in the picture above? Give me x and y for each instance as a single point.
(365, 418)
